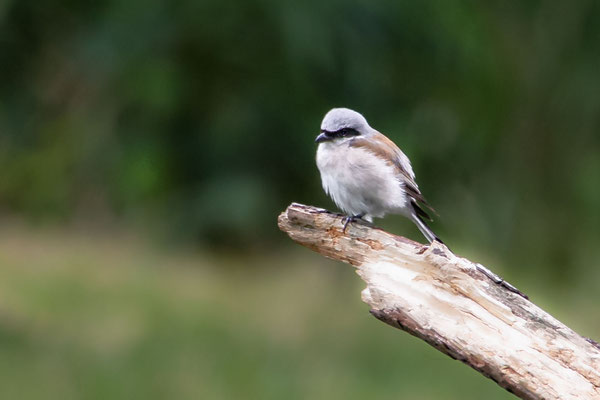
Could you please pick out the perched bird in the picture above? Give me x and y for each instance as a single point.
(365, 173)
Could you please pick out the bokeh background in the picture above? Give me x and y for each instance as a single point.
(147, 147)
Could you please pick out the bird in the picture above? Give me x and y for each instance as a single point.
(366, 174)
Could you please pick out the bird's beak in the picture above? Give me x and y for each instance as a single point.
(322, 137)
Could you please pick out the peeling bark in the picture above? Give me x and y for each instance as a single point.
(449, 302)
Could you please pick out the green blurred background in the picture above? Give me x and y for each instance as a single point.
(147, 147)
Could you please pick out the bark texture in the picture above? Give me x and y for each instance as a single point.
(448, 301)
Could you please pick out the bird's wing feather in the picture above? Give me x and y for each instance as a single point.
(384, 148)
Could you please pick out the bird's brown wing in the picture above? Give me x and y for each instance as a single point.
(384, 148)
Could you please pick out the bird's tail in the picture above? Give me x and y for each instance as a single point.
(425, 230)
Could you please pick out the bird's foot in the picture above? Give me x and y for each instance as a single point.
(347, 219)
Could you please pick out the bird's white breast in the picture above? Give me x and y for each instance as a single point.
(358, 181)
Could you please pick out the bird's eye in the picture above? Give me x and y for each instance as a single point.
(345, 132)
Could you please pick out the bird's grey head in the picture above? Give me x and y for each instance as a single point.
(342, 123)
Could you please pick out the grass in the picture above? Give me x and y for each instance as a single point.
(97, 317)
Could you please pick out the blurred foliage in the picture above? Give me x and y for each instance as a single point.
(201, 115)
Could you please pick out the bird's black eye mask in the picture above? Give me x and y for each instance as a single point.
(344, 132)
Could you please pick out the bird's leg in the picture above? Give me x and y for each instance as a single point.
(347, 219)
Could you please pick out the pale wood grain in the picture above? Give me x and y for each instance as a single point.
(448, 302)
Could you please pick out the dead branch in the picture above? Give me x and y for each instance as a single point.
(449, 302)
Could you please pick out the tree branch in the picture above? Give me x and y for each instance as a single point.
(450, 303)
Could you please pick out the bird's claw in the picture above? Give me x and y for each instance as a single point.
(350, 218)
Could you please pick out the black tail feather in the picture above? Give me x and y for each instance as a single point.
(425, 230)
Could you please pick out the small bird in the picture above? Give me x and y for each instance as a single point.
(365, 173)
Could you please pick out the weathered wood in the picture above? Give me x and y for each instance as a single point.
(447, 301)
